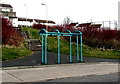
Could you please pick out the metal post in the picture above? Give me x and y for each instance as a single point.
(115, 25)
(103, 24)
(81, 57)
(77, 57)
(46, 15)
(46, 18)
(109, 24)
(58, 49)
(26, 13)
(45, 49)
(70, 49)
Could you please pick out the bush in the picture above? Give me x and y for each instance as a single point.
(101, 37)
(61, 28)
(38, 26)
(10, 35)
(96, 37)
(93, 37)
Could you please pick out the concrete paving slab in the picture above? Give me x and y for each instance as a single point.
(109, 78)
(73, 70)
(6, 77)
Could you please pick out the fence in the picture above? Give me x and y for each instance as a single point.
(107, 24)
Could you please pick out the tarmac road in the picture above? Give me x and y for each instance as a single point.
(35, 60)
(94, 69)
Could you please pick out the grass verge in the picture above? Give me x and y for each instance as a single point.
(32, 32)
(99, 53)
(14, 53)
(9, 53)
(87, 51)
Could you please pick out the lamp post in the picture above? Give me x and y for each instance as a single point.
(26, 14)
(46, 15)
(29, 46)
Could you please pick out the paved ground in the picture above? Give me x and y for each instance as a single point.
(112, 77)
(45, 73)
(92, 66)
(35, 60)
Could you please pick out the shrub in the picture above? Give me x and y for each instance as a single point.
(38, 26)
(10, 35)
(101, 37)
(93, 37)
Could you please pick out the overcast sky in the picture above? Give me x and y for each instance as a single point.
(78, 10)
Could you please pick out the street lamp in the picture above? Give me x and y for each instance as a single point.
(26, 14)
(26, 27)
(46, 15)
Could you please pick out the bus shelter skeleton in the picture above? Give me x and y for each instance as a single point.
(44, 34)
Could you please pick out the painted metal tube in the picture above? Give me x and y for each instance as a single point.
(45, 49)
(81, 56)
(70, 49)
(60, 34)
(59, 50)
(42, 49)
(77, 54)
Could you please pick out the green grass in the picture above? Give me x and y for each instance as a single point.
(32, 32)
(110, 54)
(87, 51)
(64, 45)
(9, 53)
(14, 53)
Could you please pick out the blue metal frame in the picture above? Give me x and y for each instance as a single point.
(56, 32)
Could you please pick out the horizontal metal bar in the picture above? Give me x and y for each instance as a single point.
(55, 35)
(65, 35)
(61, 34)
